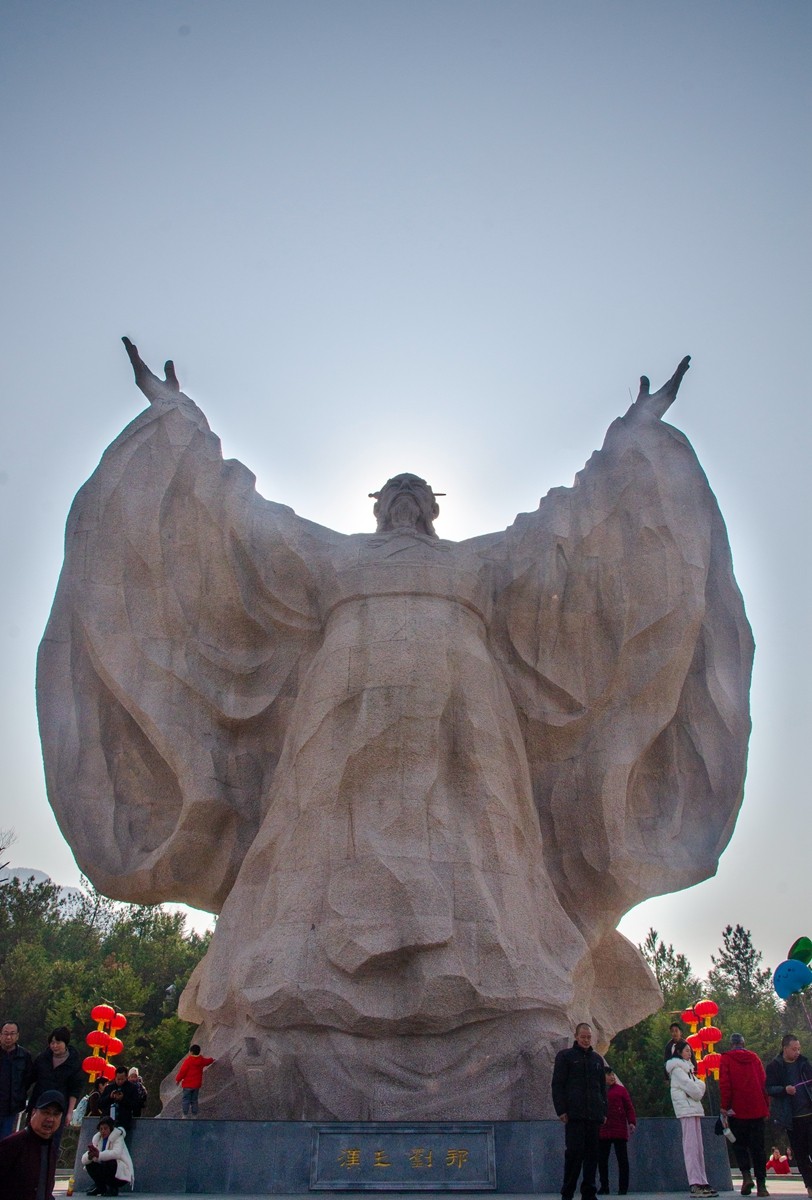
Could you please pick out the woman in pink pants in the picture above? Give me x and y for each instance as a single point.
(686, 1096)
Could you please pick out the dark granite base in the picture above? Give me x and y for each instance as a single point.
(244, 1157)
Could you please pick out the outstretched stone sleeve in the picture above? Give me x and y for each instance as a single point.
(171, 656)
(624, 640)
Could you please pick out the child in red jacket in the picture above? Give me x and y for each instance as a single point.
(620, 1122)
(190, 1077)
(778, 1162)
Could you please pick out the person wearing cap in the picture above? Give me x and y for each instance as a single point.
(28, 1158)
(743, 1097)
(137, 1082)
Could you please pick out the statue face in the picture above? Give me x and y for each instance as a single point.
(406, 502)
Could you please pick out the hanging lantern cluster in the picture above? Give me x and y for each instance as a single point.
(703, 1037)
(103, 1042)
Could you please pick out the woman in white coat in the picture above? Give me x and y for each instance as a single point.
(107, 1160)
(686, 1096)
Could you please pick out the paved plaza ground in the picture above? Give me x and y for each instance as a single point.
(788, 1186)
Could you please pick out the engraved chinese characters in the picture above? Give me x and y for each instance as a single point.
(372, 1157)
(420, 780)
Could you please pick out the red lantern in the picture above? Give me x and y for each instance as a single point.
(710, 1034)
(118, 1021)
(689, 1017)
(706, 1008)
(93, 1064)
(701, 1068)
(114, 1046)
(108, 1070)
(713, 1061)
(694, 1040)
(97, 1037)
(102, 1012)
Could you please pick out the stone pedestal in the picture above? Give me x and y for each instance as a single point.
(296, 1157)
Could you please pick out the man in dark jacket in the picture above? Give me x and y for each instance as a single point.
(579, 1099)
(119, 1100)
(789, 1086)
(16, 1077)
(743, 1098)
(28, 1158)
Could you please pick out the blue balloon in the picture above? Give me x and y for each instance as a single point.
(790, 977)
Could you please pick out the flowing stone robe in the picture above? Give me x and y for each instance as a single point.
(420, 780)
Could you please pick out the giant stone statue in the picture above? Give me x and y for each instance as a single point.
(419, 780)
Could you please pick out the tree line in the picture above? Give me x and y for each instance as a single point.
(59, 956)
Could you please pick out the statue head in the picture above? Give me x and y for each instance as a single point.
(406, 502)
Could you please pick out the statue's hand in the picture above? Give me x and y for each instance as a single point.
(659, 403)
(156, 390)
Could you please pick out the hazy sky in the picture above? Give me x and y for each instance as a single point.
(444, 236)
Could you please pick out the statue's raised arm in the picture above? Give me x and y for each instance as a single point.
(157, 391)
(656, 404)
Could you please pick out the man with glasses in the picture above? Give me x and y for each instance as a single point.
(16, 1077)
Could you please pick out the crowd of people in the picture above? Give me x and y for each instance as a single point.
(596, 1110)
(598, 1113)
(44, 1093)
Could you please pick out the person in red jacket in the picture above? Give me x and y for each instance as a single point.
(190, 1077)
(778, 1162)
(620, 1122)
(743, 1096)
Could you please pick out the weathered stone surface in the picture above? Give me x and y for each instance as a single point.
(420, 780)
